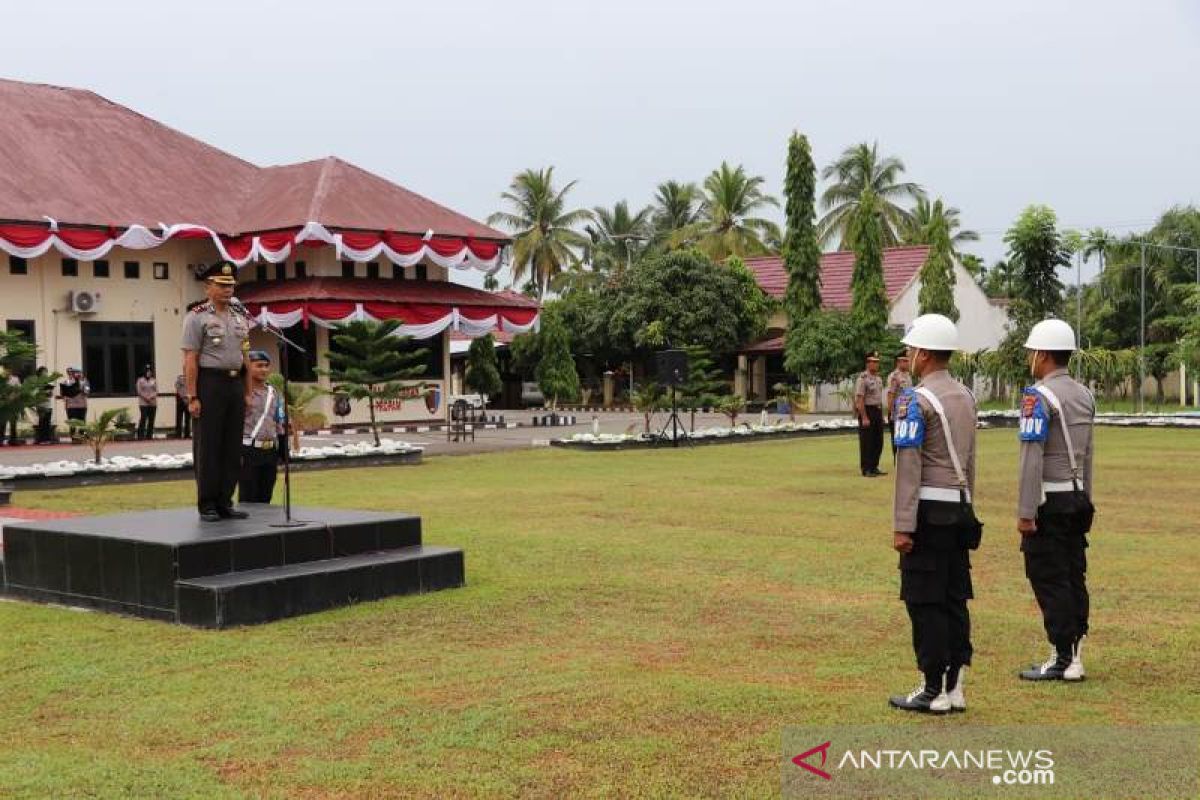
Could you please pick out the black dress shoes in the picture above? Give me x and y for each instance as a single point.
(231, 513)
(208, 515)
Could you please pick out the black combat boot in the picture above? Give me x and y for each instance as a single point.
(1052, 669)
(928, 698)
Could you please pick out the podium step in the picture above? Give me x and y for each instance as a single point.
(262, 595)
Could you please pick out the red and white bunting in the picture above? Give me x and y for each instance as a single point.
(420, 321)
(88, 244)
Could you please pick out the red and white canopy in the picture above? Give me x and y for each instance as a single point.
(88, 244)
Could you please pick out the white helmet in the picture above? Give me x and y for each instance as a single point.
(1051, 334)
(932, 332)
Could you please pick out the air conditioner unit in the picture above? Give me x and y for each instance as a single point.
(85, 302)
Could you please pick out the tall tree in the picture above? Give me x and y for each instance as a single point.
(801, 253)
(704, 387)
(1036, 252)
(556, 375)
(937, 273)
(368, 361)
(869, 302)
(856, 170)
(618, 237)
(544, 237)
(483, 373)
(918, 228)
(676, 206)
(825, 349)
(727, 225)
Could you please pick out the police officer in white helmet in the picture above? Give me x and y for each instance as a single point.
(935, 523)
(1054, 510)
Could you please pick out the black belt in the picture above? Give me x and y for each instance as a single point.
(223, 373)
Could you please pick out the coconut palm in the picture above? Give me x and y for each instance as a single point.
(726, 226)
(925, 214)
(545, 240)
(860, 167)
(618, 237)
(676, 206)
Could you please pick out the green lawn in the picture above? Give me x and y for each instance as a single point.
(636, 623)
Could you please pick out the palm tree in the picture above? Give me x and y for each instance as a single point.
(726, 227)
(676, 206)
(618, 237)
(544, 240)
(924, 214)
(860, 167)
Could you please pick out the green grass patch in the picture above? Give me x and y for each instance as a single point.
(635, 623)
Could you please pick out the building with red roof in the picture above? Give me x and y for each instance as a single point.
(107, 217)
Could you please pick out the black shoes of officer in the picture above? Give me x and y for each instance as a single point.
(231, 513)
(874, 473)
(209, 515)
(1064, 665)
(929, 697)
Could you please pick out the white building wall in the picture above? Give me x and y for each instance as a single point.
(980, 321)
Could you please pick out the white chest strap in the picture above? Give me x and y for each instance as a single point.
(266, 410)
(1053, 400)
(941, 412)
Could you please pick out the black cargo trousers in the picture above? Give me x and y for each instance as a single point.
(1056, 565)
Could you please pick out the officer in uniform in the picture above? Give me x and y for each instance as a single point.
(935, 524)
(1054, 512)
(898, 380)
(868, 405)
(260, 433)
(216, 337)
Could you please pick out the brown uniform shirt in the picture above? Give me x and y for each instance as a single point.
(1047, 460)
(272, 423)
(897, 381)
(930, 464)
(870, 388)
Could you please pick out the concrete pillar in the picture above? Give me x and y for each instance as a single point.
(1183, 386)
(739, 377)
(609, 388)
(760, 378)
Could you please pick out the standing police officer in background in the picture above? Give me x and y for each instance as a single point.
(935, 524)
(261, 429)
(898, 380)
(216, 337)
(1054, 511)
(868, 406)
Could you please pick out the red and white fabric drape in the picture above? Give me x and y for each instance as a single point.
(89, 244)
(420, 321)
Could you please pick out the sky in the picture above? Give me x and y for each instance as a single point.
(1087, 107)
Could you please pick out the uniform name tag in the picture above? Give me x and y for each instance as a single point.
(910, 423)
(1034, 424)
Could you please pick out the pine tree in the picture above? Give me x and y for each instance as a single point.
(704, 387)
(869, 304)
(937, 274)
(801, 253)
(369, 362)
(483, 373)
(556, 375)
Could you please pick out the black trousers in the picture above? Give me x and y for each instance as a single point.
(145, 428)
(183, 420)
(870, 439)
(10, 428)
(217, 446)
(43, 425)
(257, 481)
(935, 585)
(1056, 565)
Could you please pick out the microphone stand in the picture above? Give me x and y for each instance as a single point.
(284, 344)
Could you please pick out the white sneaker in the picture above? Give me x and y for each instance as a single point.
(1075, 671)
(958, 701)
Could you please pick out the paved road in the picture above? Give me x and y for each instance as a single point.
(434, 442)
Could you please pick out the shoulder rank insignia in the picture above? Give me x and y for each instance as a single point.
(1034, 422)
(910, 422)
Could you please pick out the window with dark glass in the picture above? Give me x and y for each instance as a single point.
(300, 367)
(114, 355)
(281, 271)
(161, 271)
(373, 269)
(397, 272)
(260, 273)
(422, 272)
(100, 269)
(70, 268)
(133, 270)
(17, 266)
(301, 269)
(347, 269)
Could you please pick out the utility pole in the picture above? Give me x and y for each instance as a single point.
(1142, 339)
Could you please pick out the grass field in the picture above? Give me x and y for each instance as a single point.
(636, 623)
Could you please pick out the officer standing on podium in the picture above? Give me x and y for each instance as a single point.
(935, 525)
(216, 338)
(1054, 509)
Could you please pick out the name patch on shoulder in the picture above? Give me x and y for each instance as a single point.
(910, 423)
(1034, 424)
